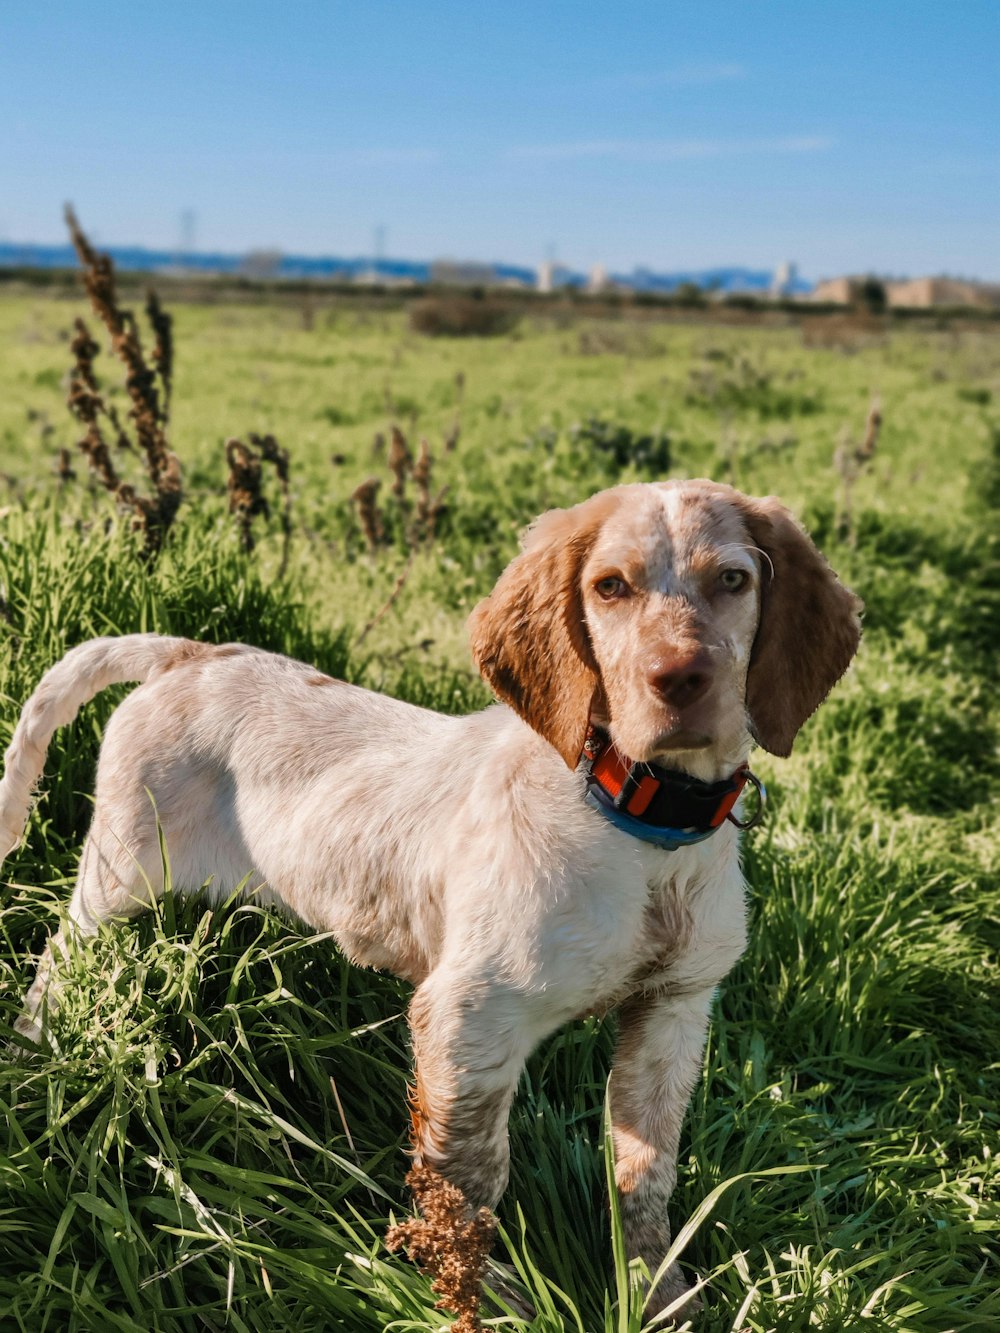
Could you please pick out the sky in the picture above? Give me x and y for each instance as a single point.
(846, 137)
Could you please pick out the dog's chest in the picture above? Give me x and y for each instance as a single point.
(690, 934)
(668, 932)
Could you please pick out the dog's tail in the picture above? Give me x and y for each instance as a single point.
(60, 695)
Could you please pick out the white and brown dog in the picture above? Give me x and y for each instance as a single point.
(575, 848)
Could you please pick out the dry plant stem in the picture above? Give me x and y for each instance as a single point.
(400, 462)
(390, 601)
(153, 514)
(271, 452)
(872, 427)
(85, 399)
(85, 402)
(422, 481)
(365, 499)
(429, 509)
(246, 499)
(846, 466)
(347, 1133)
(162, 325)
(64, 467)
(448, 1243)
(850, 463)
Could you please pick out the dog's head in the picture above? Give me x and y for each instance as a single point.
(680, 615)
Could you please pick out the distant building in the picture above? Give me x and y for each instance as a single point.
(599, 280)
(912, 293)
(786, 276)
(838, 291)
(551, 276)
(922, 293)
(377, 277)
(462, 273)
(261, 264)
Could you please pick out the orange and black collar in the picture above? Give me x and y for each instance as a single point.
(659, 805)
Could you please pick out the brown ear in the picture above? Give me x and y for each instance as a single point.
(809, 627)
(529, 638)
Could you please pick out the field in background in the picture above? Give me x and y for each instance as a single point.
(218, 1142)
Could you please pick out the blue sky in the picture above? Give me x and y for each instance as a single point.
(844, 136)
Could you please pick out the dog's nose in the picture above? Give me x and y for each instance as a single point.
(682, 679)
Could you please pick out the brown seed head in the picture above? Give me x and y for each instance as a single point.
(450, 1241)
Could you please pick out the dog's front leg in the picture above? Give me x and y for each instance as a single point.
(656, 1065)
(470, 1041)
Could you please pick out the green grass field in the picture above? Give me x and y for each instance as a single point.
(217, 1140)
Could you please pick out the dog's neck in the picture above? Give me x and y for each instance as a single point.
(662, 806)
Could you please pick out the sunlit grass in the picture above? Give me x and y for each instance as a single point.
(216, 1139)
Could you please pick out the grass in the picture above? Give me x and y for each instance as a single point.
(217, 1141)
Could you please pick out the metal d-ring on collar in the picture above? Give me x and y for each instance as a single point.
(758, 814)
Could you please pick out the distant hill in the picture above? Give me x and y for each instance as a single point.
(710, 279)
(138, 259)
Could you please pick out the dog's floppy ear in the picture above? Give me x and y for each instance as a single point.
(809, 627)
(529, 637)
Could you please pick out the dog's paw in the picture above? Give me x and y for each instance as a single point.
(503, 1280)
(29, 1037)
(673, 1292)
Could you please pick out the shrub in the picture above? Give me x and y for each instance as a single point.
(461, 317)
(620, 446)
(735, 382)
(873, 295)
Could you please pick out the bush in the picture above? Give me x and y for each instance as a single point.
(873, 295)
(621, 447)
(461, 317)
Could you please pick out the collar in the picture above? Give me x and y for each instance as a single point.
(659, 805)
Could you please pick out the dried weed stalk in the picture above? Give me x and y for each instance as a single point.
(86, 403)
(429, 508)
(390, 601)
(447, 1243)
(64, 469)
(365, 498)
(850, 461)
(152, 514)
(245, 488)
(162, 324)
(246, 499)
(85, 399)
(272, 452)
(873, 425)
(400, 462)
(417, 522)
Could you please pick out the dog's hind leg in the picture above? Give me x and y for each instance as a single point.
(113, 881)
(62, 691)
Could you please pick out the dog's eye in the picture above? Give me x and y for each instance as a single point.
(611, 589)
(733, 579)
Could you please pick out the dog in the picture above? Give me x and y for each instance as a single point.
(572, 849)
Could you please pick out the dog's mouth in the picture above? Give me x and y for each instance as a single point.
(673, 735)
(685, 738)
(667, 745)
